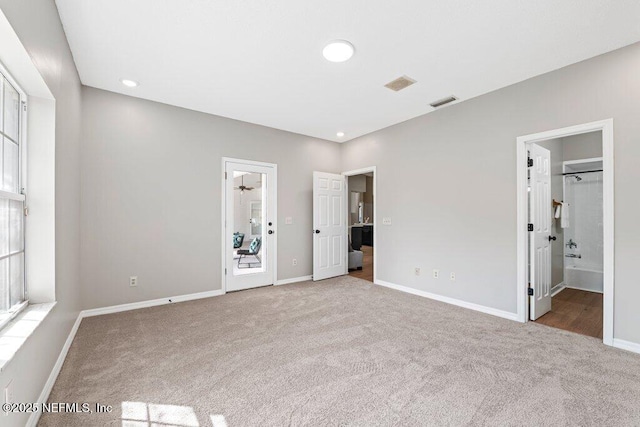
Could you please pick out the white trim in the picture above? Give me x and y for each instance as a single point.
(579, 161)
(149, 303)
(12, 196)
(294, 280)
(557, 289)
(452, 301)
(606, 127)
(626, 345)
(55, 371)
(48, 386)
(223, 223)
(584, 289)
(376, 221)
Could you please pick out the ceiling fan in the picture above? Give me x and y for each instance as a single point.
(243, 187)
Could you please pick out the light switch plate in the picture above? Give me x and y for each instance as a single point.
(288, 220)
(386, 221)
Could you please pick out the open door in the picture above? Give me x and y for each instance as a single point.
(540, 238)
(329, 228)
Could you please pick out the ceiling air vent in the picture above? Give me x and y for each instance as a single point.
(400, 83)
(443, 101)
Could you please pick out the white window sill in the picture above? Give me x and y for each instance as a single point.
(15, 333)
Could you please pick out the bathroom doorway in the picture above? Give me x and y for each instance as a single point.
(569, 223)
(361, 223)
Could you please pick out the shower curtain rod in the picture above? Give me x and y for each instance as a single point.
(576, 173)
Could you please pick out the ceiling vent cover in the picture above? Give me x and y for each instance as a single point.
(443, 101)
(400, 83)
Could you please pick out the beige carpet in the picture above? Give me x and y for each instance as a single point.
(339, 352)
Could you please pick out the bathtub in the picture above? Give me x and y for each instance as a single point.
(581, 277)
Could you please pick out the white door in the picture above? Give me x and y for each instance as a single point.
(540, 238)
(329, 227)
(250, 224)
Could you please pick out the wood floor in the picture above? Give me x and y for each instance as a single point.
(576, 311)
(367, 265)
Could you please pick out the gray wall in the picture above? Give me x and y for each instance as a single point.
(367, 198)
(463, 217)
(577, 147)
(585, 146)
(38, 26)
(151, 196)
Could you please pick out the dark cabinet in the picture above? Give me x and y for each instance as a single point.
(367, 235)
(356, 238)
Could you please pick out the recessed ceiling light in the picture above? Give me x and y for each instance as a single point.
(340, 134)
(338, 51)
(129, 83)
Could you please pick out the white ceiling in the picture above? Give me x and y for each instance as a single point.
(261, 61)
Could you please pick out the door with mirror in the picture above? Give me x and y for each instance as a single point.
(250, 224)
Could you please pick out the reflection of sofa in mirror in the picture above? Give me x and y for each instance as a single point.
(238, 239)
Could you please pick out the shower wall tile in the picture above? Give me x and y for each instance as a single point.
(585, 220)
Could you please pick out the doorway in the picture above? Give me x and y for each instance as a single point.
(565, 208)
(249, 224)
(361, 223)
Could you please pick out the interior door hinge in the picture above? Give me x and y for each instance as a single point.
(529, 162)
(530, 292)
(225, 271)
(530, 227)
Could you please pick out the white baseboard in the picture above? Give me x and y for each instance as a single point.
(149, 303)
(557, 289)
(53, 376)
(35, 416)
(584, 289)
(626, 345)
(294, 280)
(453, 301)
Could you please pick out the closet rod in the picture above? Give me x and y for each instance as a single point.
(576, 173)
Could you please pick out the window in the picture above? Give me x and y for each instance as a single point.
(12, 201)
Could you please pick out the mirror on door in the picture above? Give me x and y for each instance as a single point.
(248, 214)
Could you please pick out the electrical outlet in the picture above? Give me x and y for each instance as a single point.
(133, 281)
(436, 274)
(452, 276)
(295, 261)
(417, 271)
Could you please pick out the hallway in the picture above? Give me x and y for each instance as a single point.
(367, 265)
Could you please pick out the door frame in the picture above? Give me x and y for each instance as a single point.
(223, 211)
(606, 127)
(361, 171)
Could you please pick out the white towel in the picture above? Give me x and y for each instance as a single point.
(558, 210)
(564, 216)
